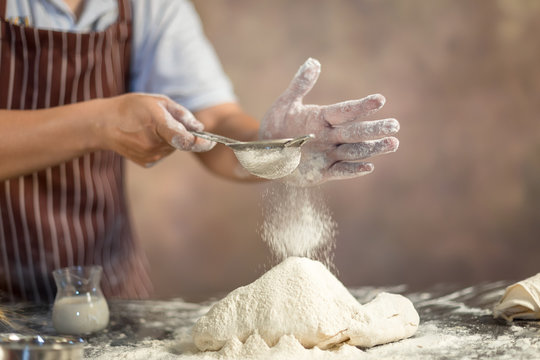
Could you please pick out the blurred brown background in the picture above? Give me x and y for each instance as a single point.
(458, 202)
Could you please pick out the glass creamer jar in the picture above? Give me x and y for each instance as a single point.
(79, 306)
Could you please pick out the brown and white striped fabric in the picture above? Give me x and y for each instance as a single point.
(73, 213)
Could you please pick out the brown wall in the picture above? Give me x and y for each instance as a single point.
(459, 201)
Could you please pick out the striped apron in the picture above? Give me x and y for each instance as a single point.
(74, 213)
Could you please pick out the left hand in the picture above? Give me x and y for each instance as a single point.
(342, 138)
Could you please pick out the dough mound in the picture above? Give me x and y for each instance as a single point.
(300, 297)
(520, 301)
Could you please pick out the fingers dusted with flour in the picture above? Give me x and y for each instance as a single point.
(344, 136)
(303, 81)
(175, 130)
(353, 109)
(146, 128)
(362, 130)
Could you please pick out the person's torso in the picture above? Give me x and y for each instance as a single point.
(56, 14)
(74, 213)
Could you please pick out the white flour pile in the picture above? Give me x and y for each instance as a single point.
(299, 309)
(297, 222)
(299, 305)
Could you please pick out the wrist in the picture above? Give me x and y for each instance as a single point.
(98, 116)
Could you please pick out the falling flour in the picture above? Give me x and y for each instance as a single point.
(299, 309)
(297, 222)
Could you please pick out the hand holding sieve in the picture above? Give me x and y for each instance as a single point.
(269, 159)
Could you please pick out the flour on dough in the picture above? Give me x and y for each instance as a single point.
(300, 297)
(520, 301)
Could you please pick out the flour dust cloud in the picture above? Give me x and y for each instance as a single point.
(297, 222)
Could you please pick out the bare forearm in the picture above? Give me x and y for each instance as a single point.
(231, 121)
(31, 140)
(142, 127)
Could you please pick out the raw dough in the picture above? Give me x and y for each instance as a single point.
(520, 301)
(300, 297)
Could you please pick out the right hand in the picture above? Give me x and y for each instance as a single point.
(145, 128)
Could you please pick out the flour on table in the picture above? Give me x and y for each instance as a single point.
(300, 299)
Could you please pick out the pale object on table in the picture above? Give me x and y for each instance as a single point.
(520, 301)
(300, 297)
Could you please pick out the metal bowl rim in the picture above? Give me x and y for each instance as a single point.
(15, 341)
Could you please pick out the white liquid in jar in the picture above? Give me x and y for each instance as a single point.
(80, 314)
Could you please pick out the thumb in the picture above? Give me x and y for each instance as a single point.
(304, 80)
(178, 136)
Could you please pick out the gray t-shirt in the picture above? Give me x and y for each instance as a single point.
(170, 53)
